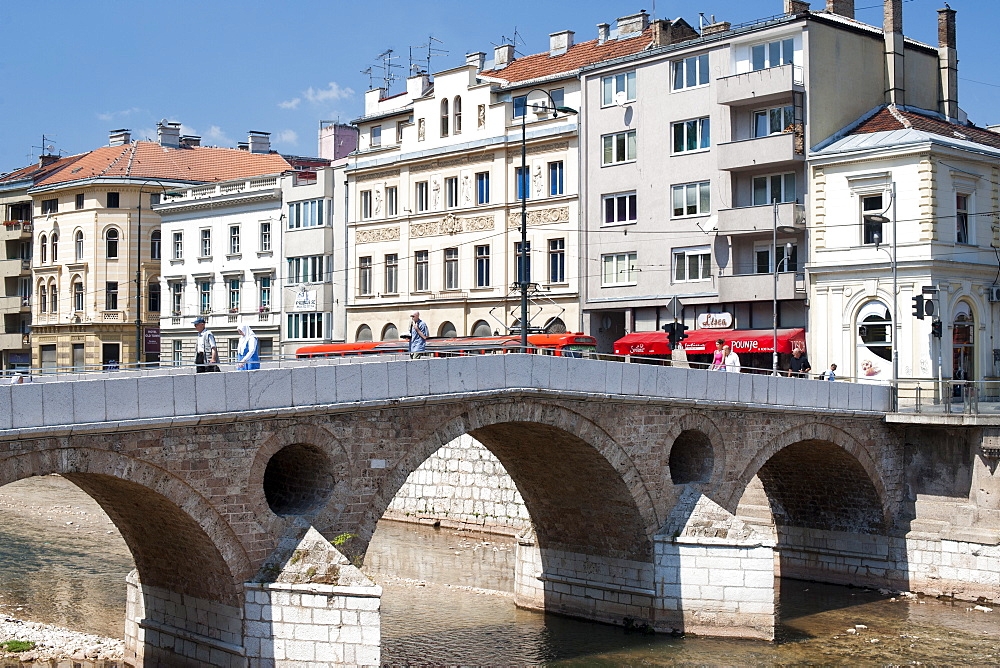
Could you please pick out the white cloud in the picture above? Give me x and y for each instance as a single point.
(333, 91)
(122, 114)
(216, 136)
(287, 137)
(290, 104)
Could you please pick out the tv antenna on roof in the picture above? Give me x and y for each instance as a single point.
(512, 40)
(422, 66)
(388, 76)
(46, 148)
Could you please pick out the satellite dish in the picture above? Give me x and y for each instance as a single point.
(620, 98)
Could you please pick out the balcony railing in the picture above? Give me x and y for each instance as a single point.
(757, 219)
(760, 86)
(782, 150)
(760, 287)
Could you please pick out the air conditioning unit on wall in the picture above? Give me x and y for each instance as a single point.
(993, 293)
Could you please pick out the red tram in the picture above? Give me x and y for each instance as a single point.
(566, 345)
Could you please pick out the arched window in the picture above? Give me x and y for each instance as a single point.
(53, 298)
(444, 118)
(364, 333)
(963, 343)
(154, 245)
(78, 296)
(78, 245)
(153, 290)
(481, 328)
(111, 239)
(456, 111)
(556, 326)
(43, 248)
(390, 333)
(43, 304)
(874, 341)
(447, 330)
(55, 247)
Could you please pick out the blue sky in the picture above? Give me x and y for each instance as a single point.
(74, 70)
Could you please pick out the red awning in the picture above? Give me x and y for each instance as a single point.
(643, 343)
(702, 341)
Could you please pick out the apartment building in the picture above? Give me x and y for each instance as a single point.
(98, 242)
(436, 190)
(695, 184)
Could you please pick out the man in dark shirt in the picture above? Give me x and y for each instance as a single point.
(799, 365)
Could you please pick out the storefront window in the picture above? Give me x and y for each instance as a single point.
(874, 342)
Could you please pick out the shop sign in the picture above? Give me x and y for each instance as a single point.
(722, 320)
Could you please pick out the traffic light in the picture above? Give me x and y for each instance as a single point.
(679, 331)
(918, 306)
(936, 328)
(671, 329)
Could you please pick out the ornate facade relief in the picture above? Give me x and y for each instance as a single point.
(378, 234)
(513, 153)
(378, 176)
(451, 224)
(557, 214)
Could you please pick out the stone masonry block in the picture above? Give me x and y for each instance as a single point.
(238, 390)
(157, 397)
(697, 383)
(122, 398)
(328, 377)
(396, 376)
(304, 386)
(185, 399)
(210, 393)
(612, 376)
(540, 370)
(630, 378)
(418, 378)
(559, 375)
(490, 371)
(518, 367)
(460, 373)
(745, 391)
(726, 577)
(57, 399)
(270, 388)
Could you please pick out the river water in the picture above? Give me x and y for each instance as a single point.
(447, 600)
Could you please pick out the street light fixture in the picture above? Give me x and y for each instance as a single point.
(774, 272)
(881, 219)
(523, 184)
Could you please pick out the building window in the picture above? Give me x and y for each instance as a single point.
(557, 260)
(366, 204)
(178, 245)
(692, 199)
(365, 275)
(234, 239)
(871, 205)
(78, 245)
(305, 326)
(618, 269)
(55, 247)
(206, 243)
(451, 269)
(154, 199)
(153, 290)
(399, 130)
(456, 112)
(773, 188)
(234, 295)
(234, 346)
(305, 214)
(522, 179)
(482, 266)
(265, 237)
(444, 118)
(54, 298)
(376, 136)
(772, 54)
(50, 206)
(558, 97)
(691, 72)
(42, 300)
(523, 262)
(520, 107)
(421, 271)
(307, 269)
(43, 249)
(78, 296)
(692, 135)
(763, 258)
(154, 245)
(176, 297)
(112, 244)
(773, 121)
(391, 201)
(205, 296)
(556, 184)
(961, 219)
(113, 200)
(177, 350)
(692, 265)
(79, 201)
(619, 208)
(611, 86)
(110, 296)
(483, 188)
(451, 192)
(264, 292)
(392, 274)
(423, 199)
(619, 147)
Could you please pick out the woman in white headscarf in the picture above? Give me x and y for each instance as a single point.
(248, 349)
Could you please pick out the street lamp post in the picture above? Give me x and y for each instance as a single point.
(523, 182)
(138, 276)
(774, 273)
(881, 219)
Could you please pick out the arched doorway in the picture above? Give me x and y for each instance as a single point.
(447, 330)
(963, 343)
(481, 328)
(364, 333)
(390, 333)
(873, 341)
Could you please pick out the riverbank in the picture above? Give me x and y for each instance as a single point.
(55, 643)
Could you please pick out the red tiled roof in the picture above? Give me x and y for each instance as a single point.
(36, 172)
(885, 121)
(541, 65)
(149, 160)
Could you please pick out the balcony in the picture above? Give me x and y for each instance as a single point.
(14, 304)
(758, 287)
(15, 229)
(778, 151)
(760, 86)
(14, 340)
(757, 219)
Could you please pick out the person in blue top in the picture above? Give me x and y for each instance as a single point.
(248, 349)
(418, 335)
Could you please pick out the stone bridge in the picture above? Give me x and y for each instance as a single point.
(670, 496)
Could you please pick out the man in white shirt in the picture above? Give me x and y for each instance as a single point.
(731, 360)
(206, 353)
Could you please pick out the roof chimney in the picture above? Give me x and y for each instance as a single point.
(842, 7)
(477, 59)
(892, 26)
(503, 56)
(667, 32)
(168, 134)
(948, 62)
(47, 159)
(603, 32)
(190, 141)
(259, 142)
(242, 146)
(632, 25)
(712, 28)
(119, 137)
(559, 42)
(793, 7)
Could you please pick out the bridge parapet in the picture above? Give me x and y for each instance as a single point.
(343, 384)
